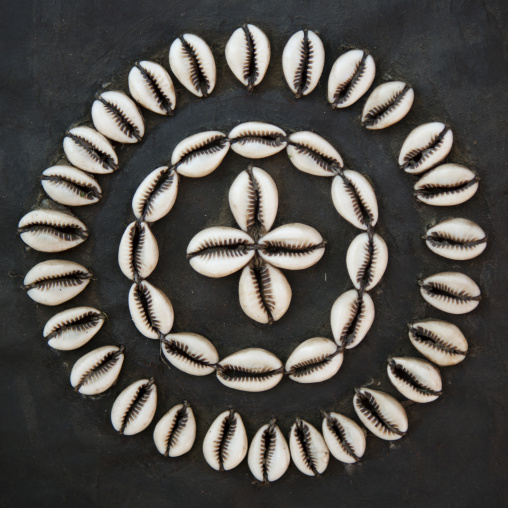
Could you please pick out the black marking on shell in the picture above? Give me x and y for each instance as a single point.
(237, 373)
(104, 365)
(80, 323)
(250, 69)
(302, 434)
(144, 303)
(268, 443)
(273, 248)
(345, 89)
(350, 330)
(137, 238)
(160, 96)
(177, 427)
(410, 379)
(301, 81)
(227, 431)
(260, 275)
(322, 160)
(255, 226)
(337, 429)
(431, 190)
(198, 77)
(80, 189)
(424, 336)
(121, 119)
(311, 365)
(442, 239)
(447, 294)
(68, 233)
(95, 153)
(137, 403)
(176, 348)
(71, 279)
(360, 207)
(368, 406)
(230, 247)
(378, 113)
(365, 272)
(416, 157)
(163, 182)
(211, 145)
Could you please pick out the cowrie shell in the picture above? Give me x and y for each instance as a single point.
(302, 62)
(292, 247)
(192, 62)
(56, 281)
(190, 352)
(387, 104)
(175, 432)
(355, 199)
(314, 360)
(451, 292)
(366, 260)
(425, 146)
(308, 448)
(441, 342)
(312, 154)
(49, 230)
(150, 309)
(344, 437)
(351, 318)
(382, 414)
(156, 195)
(134, 409)
(151, 86)
(250, 370)
(248, 55)
(416, 379)
(200, 154)
(458, 239)
(253, 199)
(350, 77)
(89, 150)
(219, 251)
(269, 456)
(116, 116)
(98, 370)
(73, 328)
(256, 140)
(225, 444)
(447, 185)
(265, 293)
(70, 186)
(138, 252)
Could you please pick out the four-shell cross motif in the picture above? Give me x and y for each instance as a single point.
(265, 293)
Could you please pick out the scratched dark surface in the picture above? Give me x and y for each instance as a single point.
(59, 449)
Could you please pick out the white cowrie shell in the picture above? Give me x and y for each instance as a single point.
(308, 448)
(387, 104)
(350, 77)
(138, 252)
(302, 62)
(151, 86)
(200, 154)
(253, 199)
(265, 293)
(458, 239)
(73, 328)
(56, 281)
(225, 444)
(175, 432)
(250, 370)
(49, 230)
(98, 370)
(382, 414)
(292, 247)
(192, 62)
(344, 437)
(219, 251)
(150, 309)
(89, 150)
(351, 318)
(156, 195)
(248, 55)
(451, 292)
(190, 352)
(314, 360)
(441, 342)
(134, 409)
(312, 154)
(425, 146)
(355, 199)
(257, 140)
(268, 453)
(447, 185)
(70, 186)
(116, 116)
(416, 379)
(366, 267)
